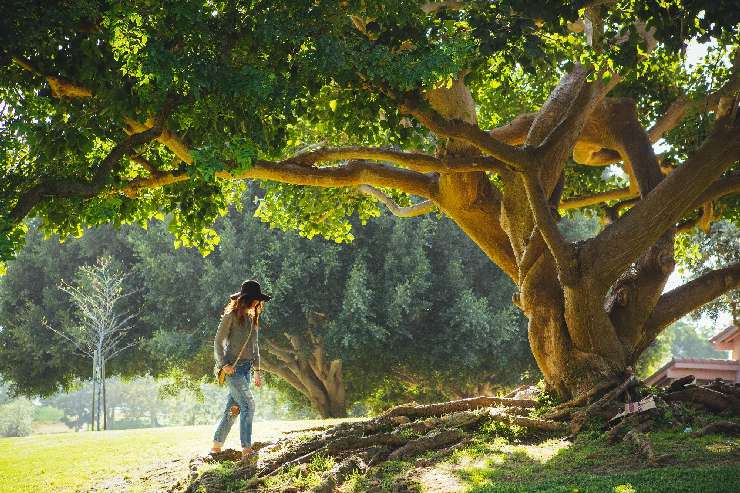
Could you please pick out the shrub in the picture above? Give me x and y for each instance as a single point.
(16, 417)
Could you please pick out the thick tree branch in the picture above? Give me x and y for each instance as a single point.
(352, 174)
(515, 157)
(423, 163)
(597, 198)
(725, 185)
(634, 146)
(419, 209)
(687, 298)
(683, 105)
(561, 250)
(70, 187)
(60, 87)
(620, 243)
(167, 138)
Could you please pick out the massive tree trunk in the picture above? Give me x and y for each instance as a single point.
(303, 364)
(589, 316)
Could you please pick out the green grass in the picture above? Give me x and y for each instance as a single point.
(69, 462)
(150, 459)
(705, 464)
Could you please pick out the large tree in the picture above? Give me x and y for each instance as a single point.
(495, 113)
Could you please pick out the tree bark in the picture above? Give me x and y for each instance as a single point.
(94, 380)
(105, 406)
(304, 366)
(572, 338)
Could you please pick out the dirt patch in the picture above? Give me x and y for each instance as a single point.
(158, 477)
(438, 479)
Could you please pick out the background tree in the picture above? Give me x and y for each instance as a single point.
(682, 339)
(322, 310)
(29, 295)
(710, 248)
(102, 328)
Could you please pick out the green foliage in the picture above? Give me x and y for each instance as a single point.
(700, 252)
(16, 417)
(310, 212)
(259, 80)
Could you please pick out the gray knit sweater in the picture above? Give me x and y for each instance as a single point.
(230, 337)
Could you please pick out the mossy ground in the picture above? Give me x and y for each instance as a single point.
(489, 464)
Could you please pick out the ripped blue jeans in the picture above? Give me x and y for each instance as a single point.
(239, 395)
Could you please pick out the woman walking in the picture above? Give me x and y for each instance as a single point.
(236, 351)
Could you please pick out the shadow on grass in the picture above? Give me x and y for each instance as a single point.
(704, 464)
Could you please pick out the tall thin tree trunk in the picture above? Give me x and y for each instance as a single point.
(94, 375)
(105, 407)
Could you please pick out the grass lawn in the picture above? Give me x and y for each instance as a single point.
(124, 460)
(151, 460)
(690, 464)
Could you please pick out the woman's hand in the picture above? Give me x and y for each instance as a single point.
(229, 370)
(257, 379)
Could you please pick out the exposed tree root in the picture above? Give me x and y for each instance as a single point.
(644, 447)
(567, 408)
(681, 383)
(431, 441)
(410, 430)
(414, 411)
(400, 433)
(339, 473)
(307, 430)
(713, 400)
(602, 407)
(723, 427)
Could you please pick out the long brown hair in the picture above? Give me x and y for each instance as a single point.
(236, 306)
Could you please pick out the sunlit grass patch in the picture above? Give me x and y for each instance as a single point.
(591, 464)
(302, 476)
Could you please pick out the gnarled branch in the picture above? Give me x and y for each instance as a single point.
(409, 211)
(620, 243)
(515, 157)
(351, 174)
(687, 298)
(76, 188)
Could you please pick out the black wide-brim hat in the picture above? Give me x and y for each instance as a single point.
(252, 291)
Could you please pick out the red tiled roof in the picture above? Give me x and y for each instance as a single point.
(729, 362)
(658, 374)
(727, 333)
